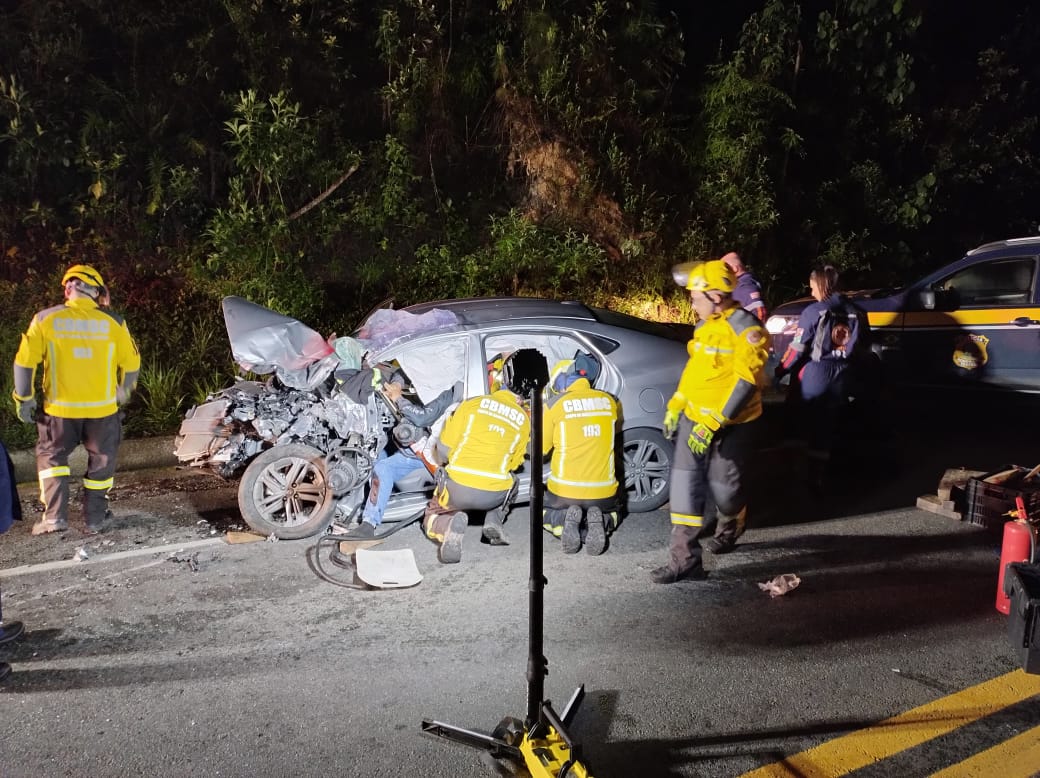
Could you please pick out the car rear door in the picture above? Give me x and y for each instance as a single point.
(983, 329)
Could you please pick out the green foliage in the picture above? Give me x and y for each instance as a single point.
(574, 149)
(161, 400)
(256, 251)
(519, 258)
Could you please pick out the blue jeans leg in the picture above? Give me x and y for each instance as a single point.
(386, 472)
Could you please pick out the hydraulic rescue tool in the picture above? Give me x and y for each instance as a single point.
(541, 741)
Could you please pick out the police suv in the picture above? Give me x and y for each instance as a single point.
(975, 322)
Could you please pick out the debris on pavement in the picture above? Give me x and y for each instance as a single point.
(349, 547)
(191, 561)
(81, 554)
(780, 585)
(235, 536)
(949, 499)
(387, 569)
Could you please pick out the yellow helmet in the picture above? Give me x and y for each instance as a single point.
(712, 276)
(84, 273)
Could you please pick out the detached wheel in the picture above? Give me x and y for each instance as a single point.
(285, 492)
(646, 459)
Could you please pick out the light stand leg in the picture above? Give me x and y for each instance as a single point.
(543, 745)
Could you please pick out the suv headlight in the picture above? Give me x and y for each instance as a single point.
(777, 324)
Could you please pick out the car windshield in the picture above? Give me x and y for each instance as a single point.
(616, 319)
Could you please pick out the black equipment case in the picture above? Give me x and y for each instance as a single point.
(1022, 585)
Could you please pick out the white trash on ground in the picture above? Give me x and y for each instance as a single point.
(782, 584)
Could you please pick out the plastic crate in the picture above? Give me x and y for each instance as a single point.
(988, 504)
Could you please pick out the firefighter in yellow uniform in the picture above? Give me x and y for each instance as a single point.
(710, 414)
(90, 367)
(579, 427)
(483, 442)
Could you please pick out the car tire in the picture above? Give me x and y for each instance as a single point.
(284, 492)
(646, 465)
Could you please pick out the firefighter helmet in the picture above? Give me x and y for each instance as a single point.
(84, 273)
(712, 276)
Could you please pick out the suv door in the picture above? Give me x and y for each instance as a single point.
(984, 327)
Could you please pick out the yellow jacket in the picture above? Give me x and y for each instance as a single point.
(486, 438)
(84, 351)
(719, 384)
(579, 426)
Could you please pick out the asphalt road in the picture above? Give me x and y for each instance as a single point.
(168, 652)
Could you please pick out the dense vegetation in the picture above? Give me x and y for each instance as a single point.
(318, 156)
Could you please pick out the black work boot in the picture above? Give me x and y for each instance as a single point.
(494, 533)
(668, 575)
(12, 630)
(570, 540)
(596, 534)
(450, 551)
(730, 527)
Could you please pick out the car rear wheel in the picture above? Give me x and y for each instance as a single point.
(285, 492)
(647, 463)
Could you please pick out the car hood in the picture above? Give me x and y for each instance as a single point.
(262, 341)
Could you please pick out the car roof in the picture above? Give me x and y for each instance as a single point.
(485, 310)
(1033, 240)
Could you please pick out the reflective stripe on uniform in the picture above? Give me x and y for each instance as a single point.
(61, 471)
(554, 480)
(99, 485)
(686, 520)
(484, 473)
(97, 404)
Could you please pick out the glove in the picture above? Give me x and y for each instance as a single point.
(122, 395)
(700, 438)
(671, 423)
(25, 410)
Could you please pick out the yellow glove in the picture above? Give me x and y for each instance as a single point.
(671, 423)
(700, 438)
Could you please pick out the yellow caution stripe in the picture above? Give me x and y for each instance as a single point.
(868, 746)
(1017, 757)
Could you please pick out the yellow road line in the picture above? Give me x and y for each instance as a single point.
(1018, 757)
(880, 741)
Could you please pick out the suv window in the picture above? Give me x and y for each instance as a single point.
(1002, 282)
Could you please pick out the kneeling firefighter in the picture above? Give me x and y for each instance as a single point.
(717, 397)
(483, 442)
(579, 428)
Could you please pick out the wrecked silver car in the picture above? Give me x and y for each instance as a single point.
(304, 440)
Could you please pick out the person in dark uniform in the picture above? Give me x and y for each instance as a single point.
(830, 354)
(10, 511)
(748, 292)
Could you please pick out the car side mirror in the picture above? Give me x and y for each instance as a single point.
(926, 297)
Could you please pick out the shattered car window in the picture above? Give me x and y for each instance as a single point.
(386, 326)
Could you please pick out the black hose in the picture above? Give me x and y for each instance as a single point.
(314, 555)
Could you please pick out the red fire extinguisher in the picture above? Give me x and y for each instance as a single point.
(1018, 546)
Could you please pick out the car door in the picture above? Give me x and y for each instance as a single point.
(984, 327)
